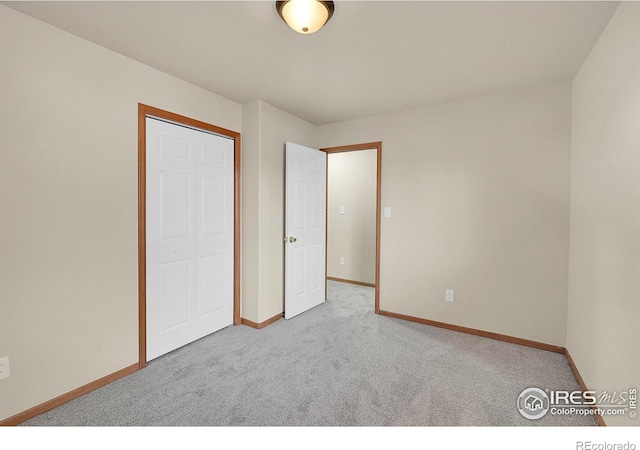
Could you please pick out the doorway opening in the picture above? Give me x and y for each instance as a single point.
(145, 112)
(377, 148)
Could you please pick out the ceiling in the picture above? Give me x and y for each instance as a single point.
(372, 57)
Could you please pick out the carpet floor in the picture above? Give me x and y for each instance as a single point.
(338, 364)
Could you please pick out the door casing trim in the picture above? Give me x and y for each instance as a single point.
(351, 148)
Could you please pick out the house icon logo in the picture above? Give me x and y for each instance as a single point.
(533, 403)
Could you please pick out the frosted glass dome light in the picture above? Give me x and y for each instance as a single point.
(305, 16)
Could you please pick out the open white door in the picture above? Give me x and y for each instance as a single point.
(305, 223)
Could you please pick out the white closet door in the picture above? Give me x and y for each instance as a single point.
(305, 224)
(189, 233)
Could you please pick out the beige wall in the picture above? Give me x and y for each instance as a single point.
(68, 218)
(479, 191)
(263, 192)
(351, 182)
(603, 333)
(250, 210)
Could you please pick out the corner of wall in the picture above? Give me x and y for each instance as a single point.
(604, 251)
(250, 214)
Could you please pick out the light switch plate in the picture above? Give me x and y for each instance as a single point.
(343, 210)
(449, 295)
(387, 211)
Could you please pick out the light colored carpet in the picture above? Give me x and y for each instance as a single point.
(338, 364)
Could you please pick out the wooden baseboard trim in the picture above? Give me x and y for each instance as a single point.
(487, 334)
(359, 283)
(65, 398)
(260, 325)
(583, 385)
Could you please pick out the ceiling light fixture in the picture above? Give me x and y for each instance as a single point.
(305, 16)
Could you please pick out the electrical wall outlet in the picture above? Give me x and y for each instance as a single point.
(448, 295)
(4, 367)
(342, 260)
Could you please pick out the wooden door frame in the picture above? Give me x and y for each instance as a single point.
(143, 112)
(352, 148)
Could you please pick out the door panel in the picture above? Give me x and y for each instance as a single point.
(189, 235)
(212, 200)
(175, 207)
(174, 281)
(174, 149)
(212, 285)
(304, 228)
(214, 234)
